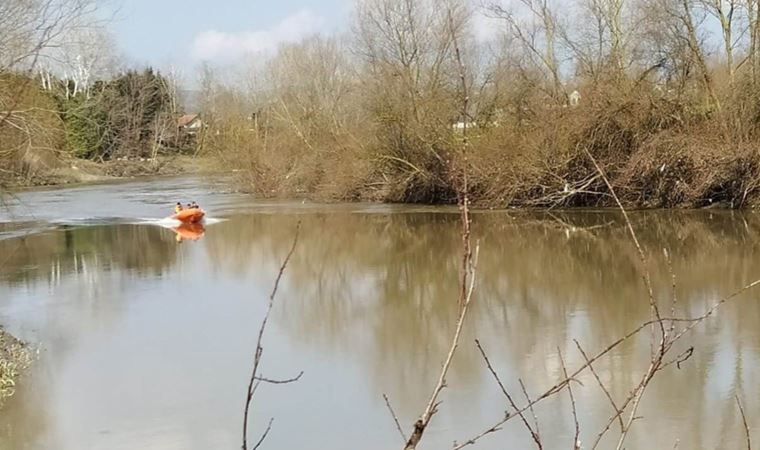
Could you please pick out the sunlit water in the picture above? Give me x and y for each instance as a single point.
(147, 342)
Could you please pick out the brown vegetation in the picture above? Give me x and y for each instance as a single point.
(373, 115)
(14, 357)
(64, 99)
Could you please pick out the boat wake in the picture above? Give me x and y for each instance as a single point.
(14, 230)
(168, 222)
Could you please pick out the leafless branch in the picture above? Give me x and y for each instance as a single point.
(469, 262)
(395, 418)
(617, 410)
(264, 435)
(432, 406)
(286, 381)
(532, 411)
(576, 439)
(255, 379)
(744, 420)
(512, 403)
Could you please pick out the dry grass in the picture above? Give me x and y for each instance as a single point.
(14, 358)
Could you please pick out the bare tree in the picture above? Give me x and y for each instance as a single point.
(675, 28)
(28, 30)
(726, 12)
(86, 55)
(538, 34)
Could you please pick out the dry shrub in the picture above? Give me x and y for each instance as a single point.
(658, 151)
(386, 132)
(31, 132)
(14, 358)
(692, 170)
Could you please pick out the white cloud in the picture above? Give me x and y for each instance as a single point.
(213, 45)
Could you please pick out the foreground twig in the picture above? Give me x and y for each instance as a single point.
(660, 347)
(744, 420)
(255, 379)
(264, 435)
(469, 262)
(432, 406)
(599, 355)
(659, 354)
(576, 438)
(504, 391)
(606, 391)
(642, 256)
(395, 418)
(532, 412)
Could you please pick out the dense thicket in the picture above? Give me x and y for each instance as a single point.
(123, 117)
(132, 115)
(663, 93)
(64, 94)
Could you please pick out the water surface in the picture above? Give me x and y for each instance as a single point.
(147, 343)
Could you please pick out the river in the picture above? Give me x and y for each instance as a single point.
(146, 342)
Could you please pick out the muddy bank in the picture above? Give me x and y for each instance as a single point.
(15, 356)
(77, 171)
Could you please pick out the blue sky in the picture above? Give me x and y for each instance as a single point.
(183, 33)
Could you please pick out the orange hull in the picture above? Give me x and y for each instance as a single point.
(189, 215)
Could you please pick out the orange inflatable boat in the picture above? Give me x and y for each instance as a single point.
(190, 215)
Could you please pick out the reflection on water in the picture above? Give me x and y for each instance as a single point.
(147, 343)
(86, 251)
(189, 232)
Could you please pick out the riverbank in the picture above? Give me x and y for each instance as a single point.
(78, 171)
(14, 358)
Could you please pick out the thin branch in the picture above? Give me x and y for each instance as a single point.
(264, 435)
(493, 429)
(576, 439)
(469, 262)
(656, 356)
(744, 420)
(561, 384)
(395, 418)
(617, 410)
(634, 237)
(533, 434)
(673, 287)
(255, 379)
(432, 407)
(532, 411)
(287, 381)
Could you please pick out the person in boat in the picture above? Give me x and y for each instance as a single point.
(178, 208)
(195, 206)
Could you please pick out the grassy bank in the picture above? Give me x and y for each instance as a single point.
(78, 171)
(14, 358)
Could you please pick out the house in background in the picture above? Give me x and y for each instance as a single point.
(190, 124)
(574, 98)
